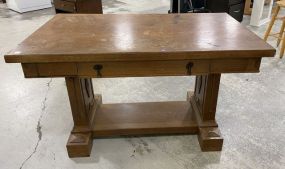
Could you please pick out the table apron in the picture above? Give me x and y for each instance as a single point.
(141, 68)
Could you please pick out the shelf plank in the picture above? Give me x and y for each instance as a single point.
(147, 118)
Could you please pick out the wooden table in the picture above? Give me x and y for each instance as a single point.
(134, 45)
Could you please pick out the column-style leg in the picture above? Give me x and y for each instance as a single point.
(204, 103)
(83, 106)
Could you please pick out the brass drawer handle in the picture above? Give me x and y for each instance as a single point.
(189, 67)
(98, 69)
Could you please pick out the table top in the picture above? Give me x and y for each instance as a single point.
(121, 37)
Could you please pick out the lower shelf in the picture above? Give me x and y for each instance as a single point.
(149, 118)
(144, 119)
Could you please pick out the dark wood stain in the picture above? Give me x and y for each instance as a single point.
(205, 45)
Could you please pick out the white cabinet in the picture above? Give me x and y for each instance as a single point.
(28, 5)
(261, 12)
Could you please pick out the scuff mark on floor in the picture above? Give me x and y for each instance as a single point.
(53, 156)
(140, 146)
(39, 126)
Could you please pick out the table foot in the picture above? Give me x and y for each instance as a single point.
(79, 144)
(210, 139)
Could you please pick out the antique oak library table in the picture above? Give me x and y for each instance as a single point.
(80, 47)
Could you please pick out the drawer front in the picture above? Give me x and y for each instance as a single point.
(141, 68)
(236, 11)
(144, 68)
(67, 6)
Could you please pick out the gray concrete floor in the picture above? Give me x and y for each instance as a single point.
(35, 117)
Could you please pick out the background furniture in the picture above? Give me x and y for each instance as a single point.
(28, 5)
(258, 17)
(186, 6)
(78, 6)
(248, 7)
(235, 8)
(135, 45)
(280, 36)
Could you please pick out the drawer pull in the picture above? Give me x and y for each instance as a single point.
(189, 67)
(98, 69)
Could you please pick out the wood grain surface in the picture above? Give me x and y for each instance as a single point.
(129, 37)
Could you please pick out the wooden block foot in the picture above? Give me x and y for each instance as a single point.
(79, 144)
(210, 139)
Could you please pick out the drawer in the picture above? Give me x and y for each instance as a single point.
(67, 6)
(143, 68)
(236, 11)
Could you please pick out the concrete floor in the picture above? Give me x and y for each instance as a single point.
(35, 117)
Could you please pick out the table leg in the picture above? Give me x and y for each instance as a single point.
(204, 104)
(83, 104)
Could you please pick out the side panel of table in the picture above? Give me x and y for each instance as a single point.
(204, 104)
(83, 105)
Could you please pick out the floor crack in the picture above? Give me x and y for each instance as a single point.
(39, 126)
